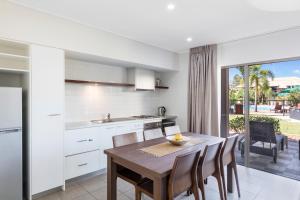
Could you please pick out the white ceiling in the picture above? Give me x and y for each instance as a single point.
(148, 21)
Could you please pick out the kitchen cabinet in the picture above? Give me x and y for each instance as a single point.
(81, 140)
(84, 147)
(47, 118)
(81, 164)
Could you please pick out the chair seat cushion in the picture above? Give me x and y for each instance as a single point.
(264, 145)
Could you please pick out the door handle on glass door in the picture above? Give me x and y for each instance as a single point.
(53, 115)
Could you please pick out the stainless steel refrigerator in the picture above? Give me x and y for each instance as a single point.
(11, 143)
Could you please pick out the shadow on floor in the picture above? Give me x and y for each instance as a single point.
(288, 163)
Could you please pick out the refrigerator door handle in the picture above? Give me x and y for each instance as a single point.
(7, 131)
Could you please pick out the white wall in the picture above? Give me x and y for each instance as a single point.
(274, 46)
(24, 24)
(86, 102)
(175, 99)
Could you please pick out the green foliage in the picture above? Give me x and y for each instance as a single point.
(238, 123)
(260, 89)
(294, 97)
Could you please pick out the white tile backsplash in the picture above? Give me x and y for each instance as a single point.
(86, 102)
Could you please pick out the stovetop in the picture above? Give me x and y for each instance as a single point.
(144, 117)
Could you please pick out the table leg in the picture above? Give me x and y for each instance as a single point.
(160, 189)
(229, 178)
(111, 179)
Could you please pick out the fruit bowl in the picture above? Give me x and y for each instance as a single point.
(180, 142)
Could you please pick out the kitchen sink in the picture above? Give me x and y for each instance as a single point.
(97, 121)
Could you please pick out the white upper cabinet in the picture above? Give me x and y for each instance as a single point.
(142, 78)
(47, 111)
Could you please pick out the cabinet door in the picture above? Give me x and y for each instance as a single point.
(47, 125)
(107, 132)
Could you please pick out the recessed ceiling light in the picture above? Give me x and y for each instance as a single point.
(171, 6)
(189, 39)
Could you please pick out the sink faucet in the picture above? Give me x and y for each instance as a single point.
(108, 116)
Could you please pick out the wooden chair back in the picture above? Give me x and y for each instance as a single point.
(153, 134)
(171, 130)
(184, 173)
(209, 161)
(227, 151)
(125, 139)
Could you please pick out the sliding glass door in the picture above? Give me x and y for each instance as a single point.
(235, 108)
(261, 103)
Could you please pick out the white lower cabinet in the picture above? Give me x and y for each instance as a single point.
(83, 163)
(84, 147)
(82, 140)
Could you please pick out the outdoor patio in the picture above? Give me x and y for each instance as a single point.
(288, 163)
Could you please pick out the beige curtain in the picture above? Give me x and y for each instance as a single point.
(202, 95)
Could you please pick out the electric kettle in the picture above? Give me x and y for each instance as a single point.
(162, 111)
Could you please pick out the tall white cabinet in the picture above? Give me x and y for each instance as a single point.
(47, 118)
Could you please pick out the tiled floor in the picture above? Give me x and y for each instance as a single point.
(255, 185)
(288, 163)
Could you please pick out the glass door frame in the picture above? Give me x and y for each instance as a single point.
(225, 104)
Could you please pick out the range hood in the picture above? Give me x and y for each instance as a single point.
(143, 79)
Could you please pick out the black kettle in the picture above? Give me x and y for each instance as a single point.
(162, 111)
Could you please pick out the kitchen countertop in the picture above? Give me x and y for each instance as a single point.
(87, 124)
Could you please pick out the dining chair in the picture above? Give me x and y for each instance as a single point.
(227, 158)
(122, 172)
(172, 130)
(209, 165)
(182, 178)
(124, 139)
(153, 134)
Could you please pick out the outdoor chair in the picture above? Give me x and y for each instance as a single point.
(263, 140)
(278, 108)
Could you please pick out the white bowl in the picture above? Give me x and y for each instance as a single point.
(172, 140)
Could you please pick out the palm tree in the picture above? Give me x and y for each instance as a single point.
(259, 78)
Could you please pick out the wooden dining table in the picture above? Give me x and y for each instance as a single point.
(153, 167)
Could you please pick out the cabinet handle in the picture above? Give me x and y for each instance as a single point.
(91, 140)
(82, 140)
(53, 115)
(83, 164)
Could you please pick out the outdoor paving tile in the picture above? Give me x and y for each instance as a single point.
(287, 159)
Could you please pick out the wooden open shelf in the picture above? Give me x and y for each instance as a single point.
(108, 83)
(161, 87)
(100, 83)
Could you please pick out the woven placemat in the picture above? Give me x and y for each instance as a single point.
(166, 148)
